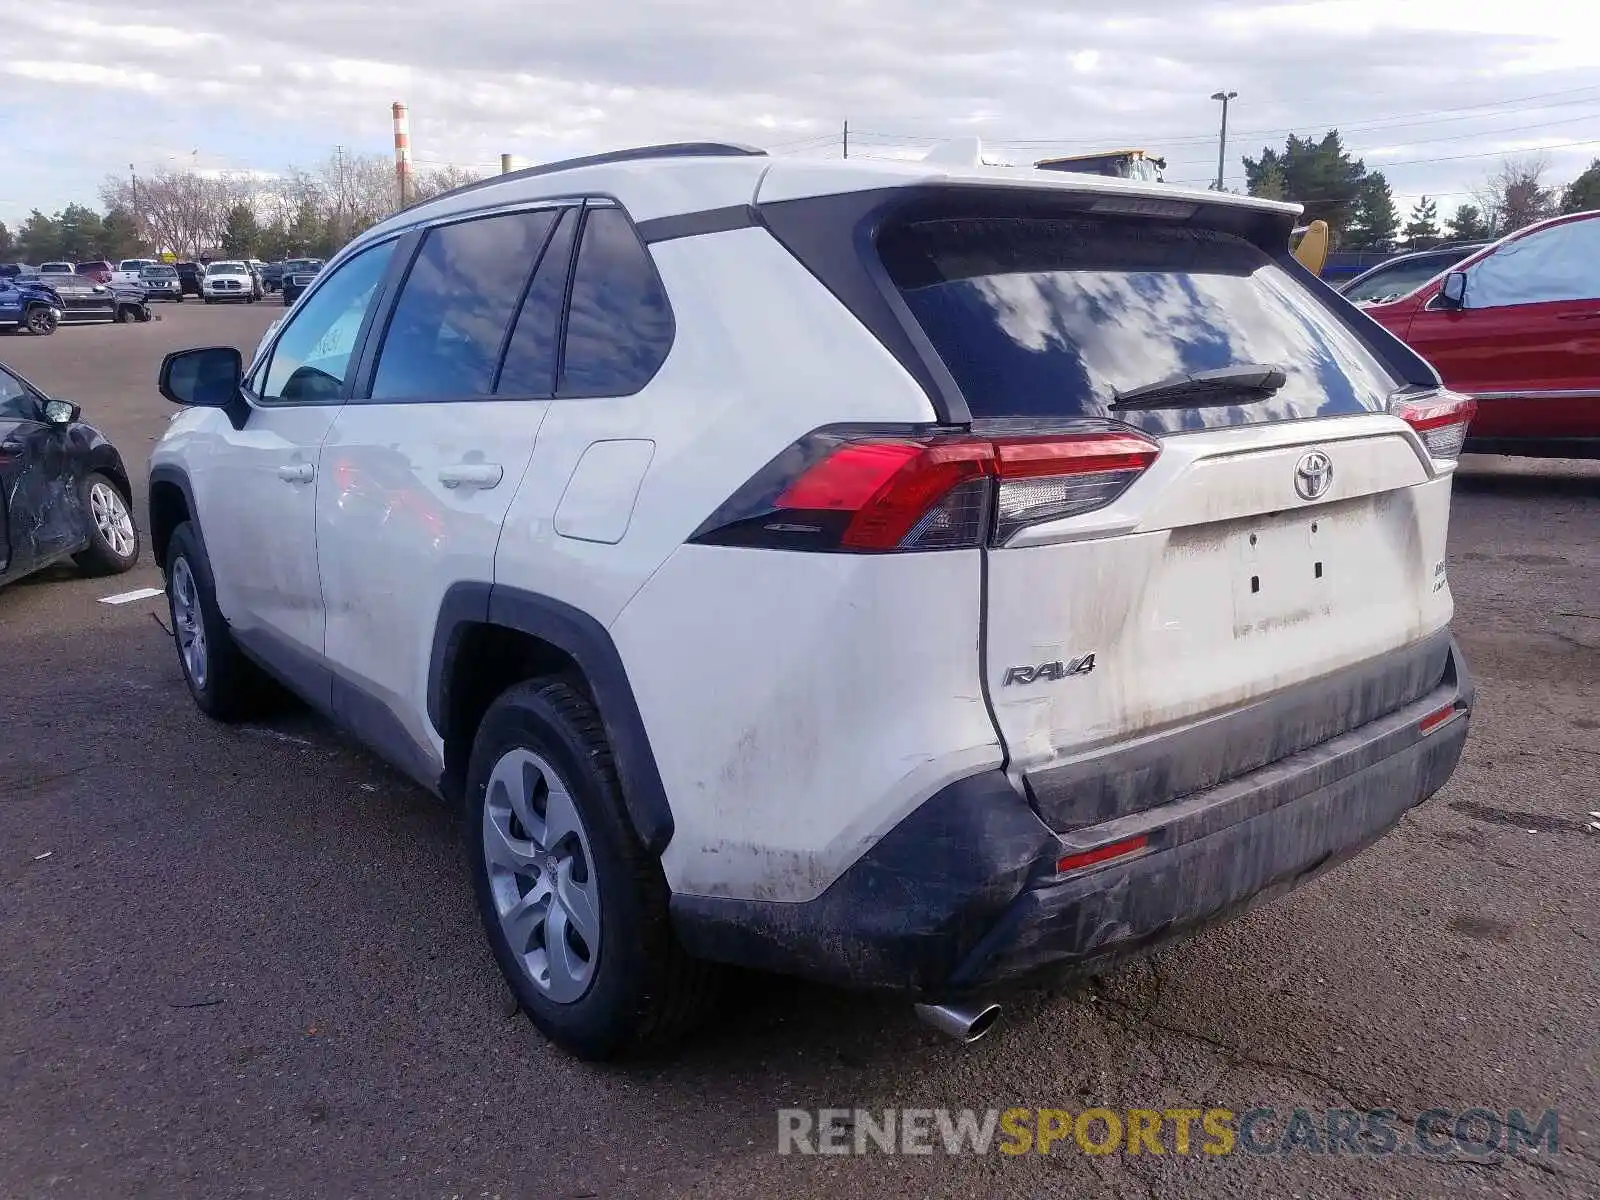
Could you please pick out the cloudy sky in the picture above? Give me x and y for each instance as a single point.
(1430, 91)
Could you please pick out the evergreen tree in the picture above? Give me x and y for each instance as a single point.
(1467, 224)
(1583, 193)
(1376, 220)
(242, 232)
(1422, 229)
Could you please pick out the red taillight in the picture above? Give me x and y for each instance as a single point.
(1435, 719)
(835, 490)
(1087, 858)
(890, 488)
(1441, 421)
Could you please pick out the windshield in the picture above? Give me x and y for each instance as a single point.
(302, 264)
(158, 273)
(133, 264)
(225, 268)
(56, 269)
(1053, 317)
(1390, 283)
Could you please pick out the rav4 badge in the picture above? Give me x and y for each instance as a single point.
(1050, 671)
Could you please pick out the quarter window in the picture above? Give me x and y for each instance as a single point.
(619, 324)
(456, 305)
(312, 355)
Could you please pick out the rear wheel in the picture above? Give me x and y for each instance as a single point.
(41, 320)
(113, 537)
(574, 907)
(224, 683)
(127, 315)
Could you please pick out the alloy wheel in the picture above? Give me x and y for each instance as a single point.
(111, 518)
(541, 875)
(188, 627)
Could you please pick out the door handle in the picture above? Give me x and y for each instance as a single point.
(297, 472)
(1588, 316)
(477, 475)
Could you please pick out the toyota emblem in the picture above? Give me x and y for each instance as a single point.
(1313, 475)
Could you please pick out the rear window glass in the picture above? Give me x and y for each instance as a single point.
(1045, 318)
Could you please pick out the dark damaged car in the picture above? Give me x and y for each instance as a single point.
(63, 488)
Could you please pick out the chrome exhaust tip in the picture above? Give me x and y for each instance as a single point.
(964, 1022)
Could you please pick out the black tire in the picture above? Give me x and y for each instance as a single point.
(233, 687)
(645, 991)
(102, 556)
(40, 321)
(127, 315)
(208, 299)
(180, 297)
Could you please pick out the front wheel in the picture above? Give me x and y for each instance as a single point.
(42, 321)
(127, 315)
(224, 683)
(113, 537)
(574, 907)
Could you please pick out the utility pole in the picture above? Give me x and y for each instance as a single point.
(505, 164)
(1222, 140)
(847, 139)
(138, 225)
(338, 197)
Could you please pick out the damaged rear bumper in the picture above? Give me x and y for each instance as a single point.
(965, 895)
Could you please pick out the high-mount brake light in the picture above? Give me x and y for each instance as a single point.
(1441, 420)
(875, 492)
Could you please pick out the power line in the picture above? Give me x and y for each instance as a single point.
(1394, 120)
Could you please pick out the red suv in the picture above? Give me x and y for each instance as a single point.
(99, 272)
(1517, 327)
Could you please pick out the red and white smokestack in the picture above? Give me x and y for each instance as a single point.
(402, 152)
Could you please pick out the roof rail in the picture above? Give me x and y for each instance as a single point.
(637, 154)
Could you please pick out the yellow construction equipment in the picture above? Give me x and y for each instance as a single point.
(1309, 244)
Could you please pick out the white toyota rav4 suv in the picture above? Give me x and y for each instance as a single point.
(904, 576)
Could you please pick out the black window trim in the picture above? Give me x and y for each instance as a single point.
(522, 299)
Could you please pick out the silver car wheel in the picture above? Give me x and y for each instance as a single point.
(188, 626)
(542, 875)
(111, 518)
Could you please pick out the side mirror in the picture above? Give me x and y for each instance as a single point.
(1453, 293)
(61, 413)
(208, 378)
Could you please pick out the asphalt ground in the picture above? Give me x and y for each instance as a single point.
(245, 961)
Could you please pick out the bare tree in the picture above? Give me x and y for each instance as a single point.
(1514, 195)
(425, 185)
(184, 211)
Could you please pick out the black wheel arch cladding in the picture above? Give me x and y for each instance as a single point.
(585, 641)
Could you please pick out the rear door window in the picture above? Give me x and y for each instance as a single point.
(456, 305)
(1041, 317)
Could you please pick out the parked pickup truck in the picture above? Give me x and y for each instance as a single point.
(127, 272)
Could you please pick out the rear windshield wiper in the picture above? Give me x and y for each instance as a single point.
(1242, 383)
